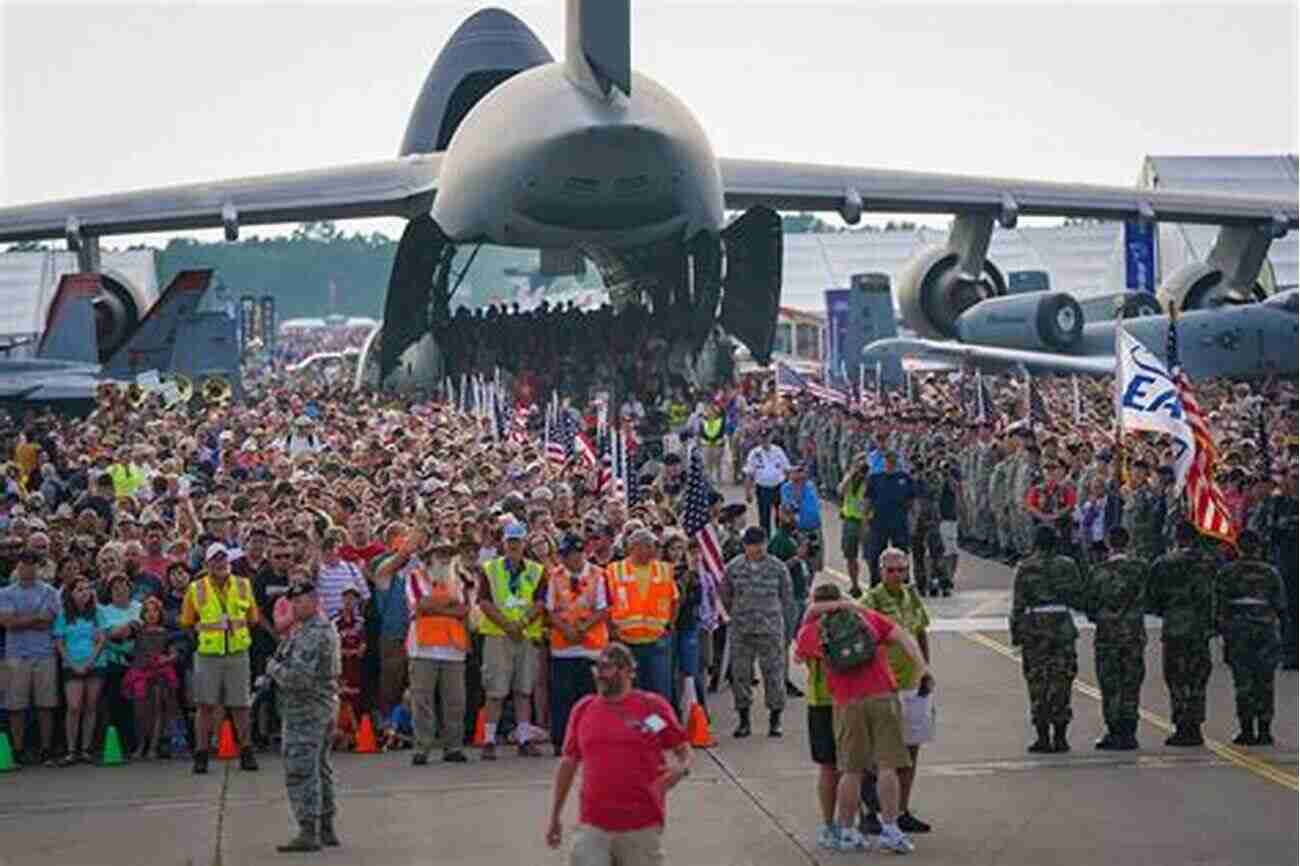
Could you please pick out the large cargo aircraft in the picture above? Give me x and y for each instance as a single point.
(507, 146)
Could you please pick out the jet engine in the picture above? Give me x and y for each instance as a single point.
(117, 313)
(489, 47)
(1043, 322)
(1200, 285)
(933, 293)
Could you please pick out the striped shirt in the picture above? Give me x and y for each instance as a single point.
(331, 580)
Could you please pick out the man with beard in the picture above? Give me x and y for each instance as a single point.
(619, 736)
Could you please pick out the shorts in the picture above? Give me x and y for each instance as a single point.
(32, 682)
(821, 735)
(70, 676)
(223, 681)
(851, 538)
(948, 535)
(869, 732)
(595, 847)
(508, 666)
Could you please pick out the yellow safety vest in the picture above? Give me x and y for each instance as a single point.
(513, 607)
(678, 413)
(855, 498)
(712, 430)
(223, 622)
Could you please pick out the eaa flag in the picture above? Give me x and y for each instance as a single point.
(1147, 398)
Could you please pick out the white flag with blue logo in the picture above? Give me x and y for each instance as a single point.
(1146, 398)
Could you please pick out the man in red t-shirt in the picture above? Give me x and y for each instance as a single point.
(868, 726)
(619, 736)
(1051, 501)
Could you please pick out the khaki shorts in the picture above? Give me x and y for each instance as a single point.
(595, 847)
(851, 541)
(508, 666)
(223, 681)
(31, 682)
(869, 732)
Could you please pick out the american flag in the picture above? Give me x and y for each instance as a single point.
(1206, 506)
(611, 456)
(563, 433)
(582, 445)
(696, 520)
(788, 381)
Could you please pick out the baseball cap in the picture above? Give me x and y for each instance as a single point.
(515, 531)
(570, 543)
(301, 587)
(753, 535)
(216, 549)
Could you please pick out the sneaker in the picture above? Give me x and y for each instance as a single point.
(849, 839)
(490, 752)
(248, 760)
(868, 823)
(419, 759)
(909, 823)
(898, 844)
(826, 837)
(48, 759)
(455, 756)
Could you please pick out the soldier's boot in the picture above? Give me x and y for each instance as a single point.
(1110, 740)
(306, 840)
(1126, 740)
(1044, 741)
(774, 723)
(200, 762)
(1059, 742)
(1263, 732)
(742, 729)
(1246, 736)
(328, 837)
(1186, 735)
(247, 760)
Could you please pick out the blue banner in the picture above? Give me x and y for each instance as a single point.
(837, 326)
(1140, 256)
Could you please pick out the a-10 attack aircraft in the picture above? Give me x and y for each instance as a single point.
(585, 156)
(1047, 332)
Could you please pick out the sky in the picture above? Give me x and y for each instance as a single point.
(109, 97)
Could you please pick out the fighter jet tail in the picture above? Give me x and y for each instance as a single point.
(598, 44)
(70, 324)
(152, 344)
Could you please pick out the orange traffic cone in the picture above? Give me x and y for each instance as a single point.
(227, 748)
(480, 727)
(697, 729)
(366, 744)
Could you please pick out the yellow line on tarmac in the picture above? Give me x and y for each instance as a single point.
(1260, 768)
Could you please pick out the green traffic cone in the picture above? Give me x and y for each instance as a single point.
(112, 748)
(6, 754)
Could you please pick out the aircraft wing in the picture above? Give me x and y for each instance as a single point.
(401, 187)
(900, 347)
(808, 187)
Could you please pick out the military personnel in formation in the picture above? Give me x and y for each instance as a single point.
(1115, 599)
(1181, 590)
(1000, 497)
(306, 669)
(851, 442)
(990, 454)
(1143, 517)
(756, 590)
(1276, 519)
(927, 548)
(1250, 603)
(1046, 586)
(1027, 473)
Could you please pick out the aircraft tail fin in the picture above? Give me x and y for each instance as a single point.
(152, 344)
(70, 324)
(598, 43)
(872, 318)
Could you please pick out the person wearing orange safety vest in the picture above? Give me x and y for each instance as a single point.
(436, 645)
(220, 608)
(643, 605)
(511, 598)
(577, 605)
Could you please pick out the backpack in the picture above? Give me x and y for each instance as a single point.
(846, 640)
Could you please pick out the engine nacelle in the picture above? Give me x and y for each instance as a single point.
(1199, 286)
(1044, 322)
(489, 47)
(932, 294)
(117, 314)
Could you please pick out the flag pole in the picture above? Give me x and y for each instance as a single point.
(1078, 405)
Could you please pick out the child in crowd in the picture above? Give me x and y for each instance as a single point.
(151, 683)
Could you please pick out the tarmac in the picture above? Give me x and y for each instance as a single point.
(748, 801)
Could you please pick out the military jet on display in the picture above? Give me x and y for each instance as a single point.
(1048, 332)
(176, 336)
(507, 146)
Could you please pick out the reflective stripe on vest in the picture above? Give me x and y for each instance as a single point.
(712, 429)
(218, 636)
(569, 606)
(512, 607)
(640, 619)
(430, 630)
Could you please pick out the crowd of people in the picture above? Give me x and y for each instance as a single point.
(150, 558)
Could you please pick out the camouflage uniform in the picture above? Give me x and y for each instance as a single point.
(1115, 600)
(1046, 637)
(757, 595)
(1250, 604)
(849, 446)
(999, 500)
(1026, 476)
(927, 547)
(306, 668)
(985, 523)
(1141, 519)
(1181, 589)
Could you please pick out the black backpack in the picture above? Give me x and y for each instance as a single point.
(846, 640)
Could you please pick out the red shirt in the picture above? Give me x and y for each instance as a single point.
(621, 759)
(871, 680)
(361, 556)
(1039, 493)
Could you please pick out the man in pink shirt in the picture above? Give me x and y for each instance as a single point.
(619, 736)
(868, 719)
